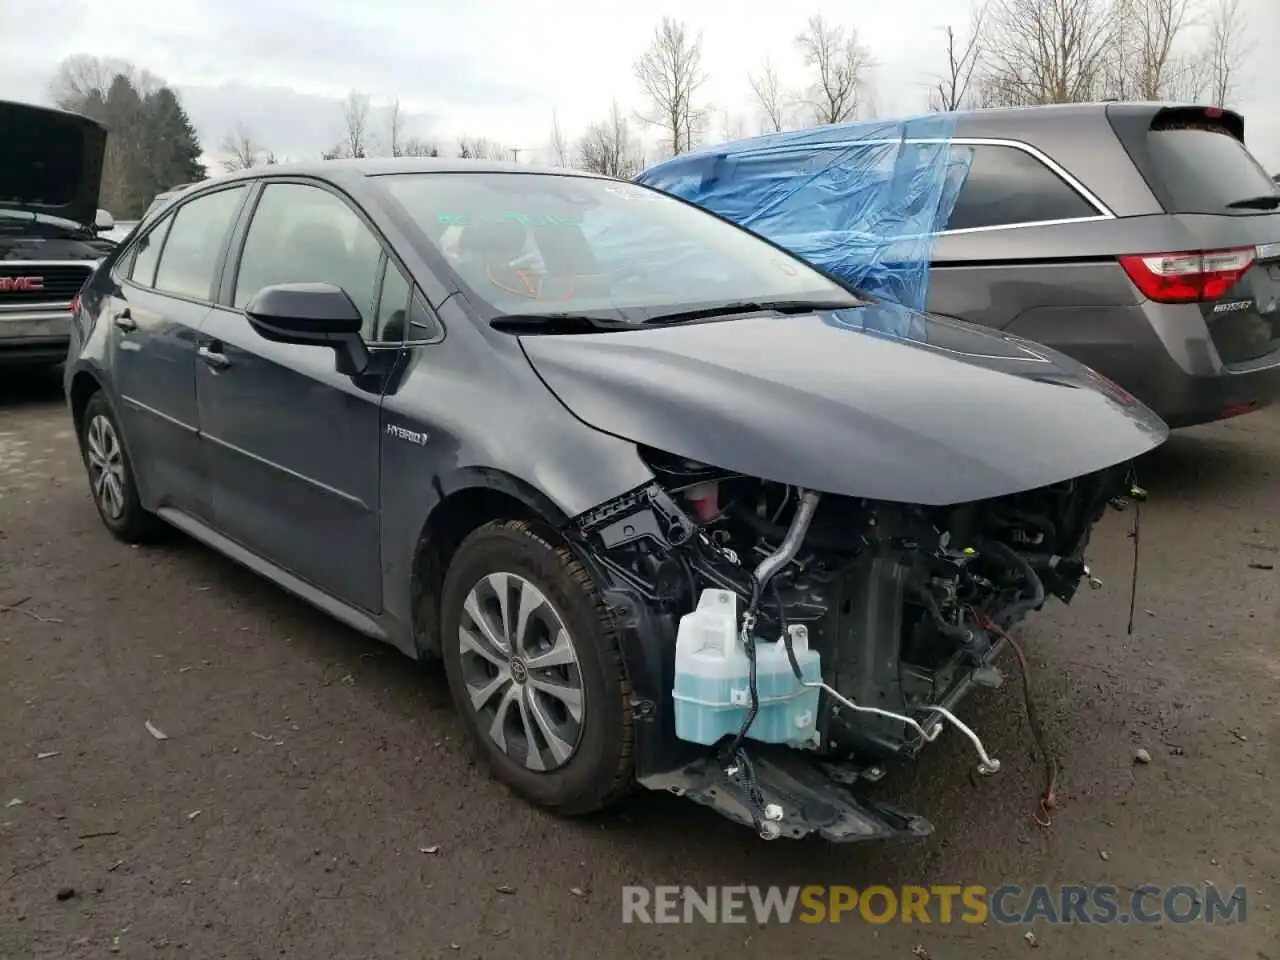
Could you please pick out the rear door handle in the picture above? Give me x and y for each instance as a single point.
(124, 320)
(214, 358)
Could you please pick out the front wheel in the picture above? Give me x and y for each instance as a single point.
(535, 669)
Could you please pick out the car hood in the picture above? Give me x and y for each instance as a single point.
(50, 161)
(874, 402)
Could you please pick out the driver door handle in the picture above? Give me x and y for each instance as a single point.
(214, 358)
(124, 320)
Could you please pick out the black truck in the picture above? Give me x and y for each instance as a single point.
(50, 226)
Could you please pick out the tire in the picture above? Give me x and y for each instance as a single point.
(599, 768)
(116, 497)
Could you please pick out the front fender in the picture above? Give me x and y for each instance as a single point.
(412, 505)
(467, 417)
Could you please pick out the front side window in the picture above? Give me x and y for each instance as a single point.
(305, 234)
(1008, 186)
(538, 244)
(193, 248)
(393, 307)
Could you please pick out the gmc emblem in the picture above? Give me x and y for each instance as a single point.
(21, 284)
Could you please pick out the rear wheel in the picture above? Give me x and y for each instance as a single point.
(534, 667)
(111, 477)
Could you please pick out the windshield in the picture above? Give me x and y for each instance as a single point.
(546, 244)
(39, 224)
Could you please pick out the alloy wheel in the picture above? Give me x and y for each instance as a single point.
(106, 466)
(521, 671)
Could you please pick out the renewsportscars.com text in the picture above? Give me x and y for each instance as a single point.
(939, 904)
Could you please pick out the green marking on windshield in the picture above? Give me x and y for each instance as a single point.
(527, 219)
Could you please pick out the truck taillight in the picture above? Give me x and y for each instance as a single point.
(1190, 276)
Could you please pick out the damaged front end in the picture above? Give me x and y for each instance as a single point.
(783, 644)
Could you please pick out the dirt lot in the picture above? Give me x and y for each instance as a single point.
(314, 797)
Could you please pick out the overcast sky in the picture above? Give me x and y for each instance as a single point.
(494, 68)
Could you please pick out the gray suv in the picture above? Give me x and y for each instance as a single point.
(1141, 239)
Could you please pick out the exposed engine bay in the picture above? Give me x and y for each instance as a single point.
(902, 609)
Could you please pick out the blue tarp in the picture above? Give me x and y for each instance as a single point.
(862, 201)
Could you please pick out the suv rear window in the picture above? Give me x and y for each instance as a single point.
(1197, 164)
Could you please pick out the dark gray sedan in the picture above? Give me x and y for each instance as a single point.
(527, 420)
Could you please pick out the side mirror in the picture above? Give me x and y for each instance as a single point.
(103, 222)
(311, 314)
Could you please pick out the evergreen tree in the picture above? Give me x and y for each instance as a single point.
(174, 146)
(151, 144)
(122, 193)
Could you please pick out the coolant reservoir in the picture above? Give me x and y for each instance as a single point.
(712, 691)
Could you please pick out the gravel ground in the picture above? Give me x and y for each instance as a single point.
(315, 797)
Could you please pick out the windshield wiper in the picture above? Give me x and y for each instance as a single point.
(1268, 201)
(563, 323)
(753, 306)
(557, 323)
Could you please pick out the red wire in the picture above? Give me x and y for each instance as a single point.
(1048, 799)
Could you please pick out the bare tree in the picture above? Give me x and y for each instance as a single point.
(244, 149)
(1143, 63)
(732, 126)
(841, 64)
(559, 146)
(414, 147)
(769, 95)
(355, 121)
(951, 89)
(395, 128)
(1045, 51)
(670, 74)
(1225, 49)
(1187, 77)
(82, 77)
(609, 148)
(481, 148)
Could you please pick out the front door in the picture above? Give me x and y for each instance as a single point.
(293, 444)
(154, 312)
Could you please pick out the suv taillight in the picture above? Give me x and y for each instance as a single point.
(1192, 276)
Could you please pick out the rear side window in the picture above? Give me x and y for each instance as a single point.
(146, 254)
(192, 249)
(1202, 168)
(1008, 186)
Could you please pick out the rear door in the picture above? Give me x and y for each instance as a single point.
(164, 291)
(1019, 236)
(294, 445)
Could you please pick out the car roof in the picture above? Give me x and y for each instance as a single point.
(1062, 118)
(382, 166)
(1052, 116)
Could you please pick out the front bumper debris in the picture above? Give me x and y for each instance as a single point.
(807, 801)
